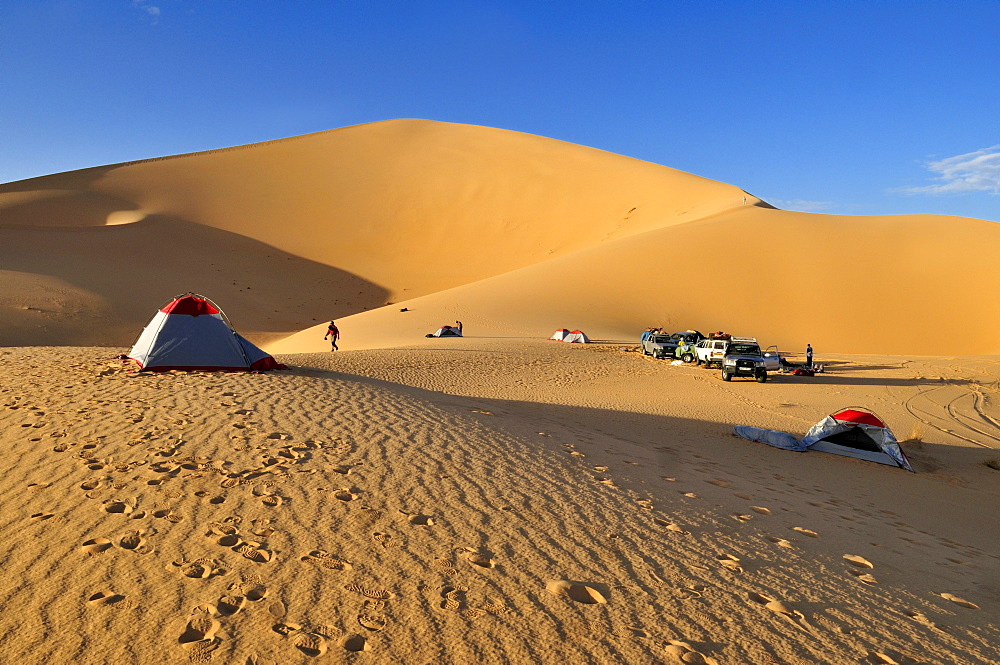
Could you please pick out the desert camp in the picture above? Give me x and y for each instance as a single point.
(371, 333)
(289, 515)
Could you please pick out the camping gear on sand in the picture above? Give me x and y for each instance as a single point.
(192, 333)
(853, 432)
(576, 337)
(559, 335)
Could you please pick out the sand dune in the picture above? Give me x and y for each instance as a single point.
(924, 297)
(404, 209)
(496, 498)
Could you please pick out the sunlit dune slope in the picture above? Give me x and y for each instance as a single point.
(895, 285)
(414, 206)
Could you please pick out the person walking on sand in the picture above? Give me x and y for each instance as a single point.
(333, 332)
(809, 356)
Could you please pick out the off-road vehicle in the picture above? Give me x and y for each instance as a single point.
(658, 345)
(743, 357)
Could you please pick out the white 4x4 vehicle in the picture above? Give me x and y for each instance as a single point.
(710, 351)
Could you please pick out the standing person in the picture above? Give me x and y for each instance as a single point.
(809, 356)
(333, 332)
(459, 326)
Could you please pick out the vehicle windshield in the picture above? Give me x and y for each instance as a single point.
(662, 339)
(743, 350)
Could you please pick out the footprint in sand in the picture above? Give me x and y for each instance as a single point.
(373, 621)
(784, 610)
(230, 605)
(922, 618)
(760, 509)
(254, 551)
(277, 609)
(685, 652)
(134, 541)
(742, 517)
(196, 570)
(420, 520)
(730, 562)
(781, 542)
(670, 526)
(200, 629)
(690, 495)
(580, 592)
(256, 593)
(807, 532)
(346, 494)
(310, 643)
(858, 561)
(477, 558)
(453, 598)
(104, 598)
(691, 591)
(326, 560)
(96, 545)
(354, 643)
(959, 601)
(42, 516)
(866, 578)
(369, 592)
(120, 507)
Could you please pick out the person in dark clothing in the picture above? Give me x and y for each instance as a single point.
(459, 326)
(809, 356)
(333, 332)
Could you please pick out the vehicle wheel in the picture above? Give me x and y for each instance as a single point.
(726, 376)
(762, 377)
(687, 357)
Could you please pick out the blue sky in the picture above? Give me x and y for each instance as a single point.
(874, 107)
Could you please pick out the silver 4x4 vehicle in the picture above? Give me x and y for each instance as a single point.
(658, 345)
(743, 357)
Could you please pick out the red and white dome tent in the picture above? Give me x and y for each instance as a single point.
(192, 333)
(853, 432)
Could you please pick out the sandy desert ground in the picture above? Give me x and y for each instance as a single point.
(496, 498)
(496, 501)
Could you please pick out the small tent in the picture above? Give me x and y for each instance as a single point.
(852, 432)
(560, 334)
(191, 333)
(447, 331)
(576, 337)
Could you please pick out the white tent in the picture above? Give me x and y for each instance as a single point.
(447, 331)
(576, 337)
(852, 432)
(560, 335)
(192, 333)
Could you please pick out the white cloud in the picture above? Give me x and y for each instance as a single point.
(801, 206)
(152, 10)
(977, 171)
